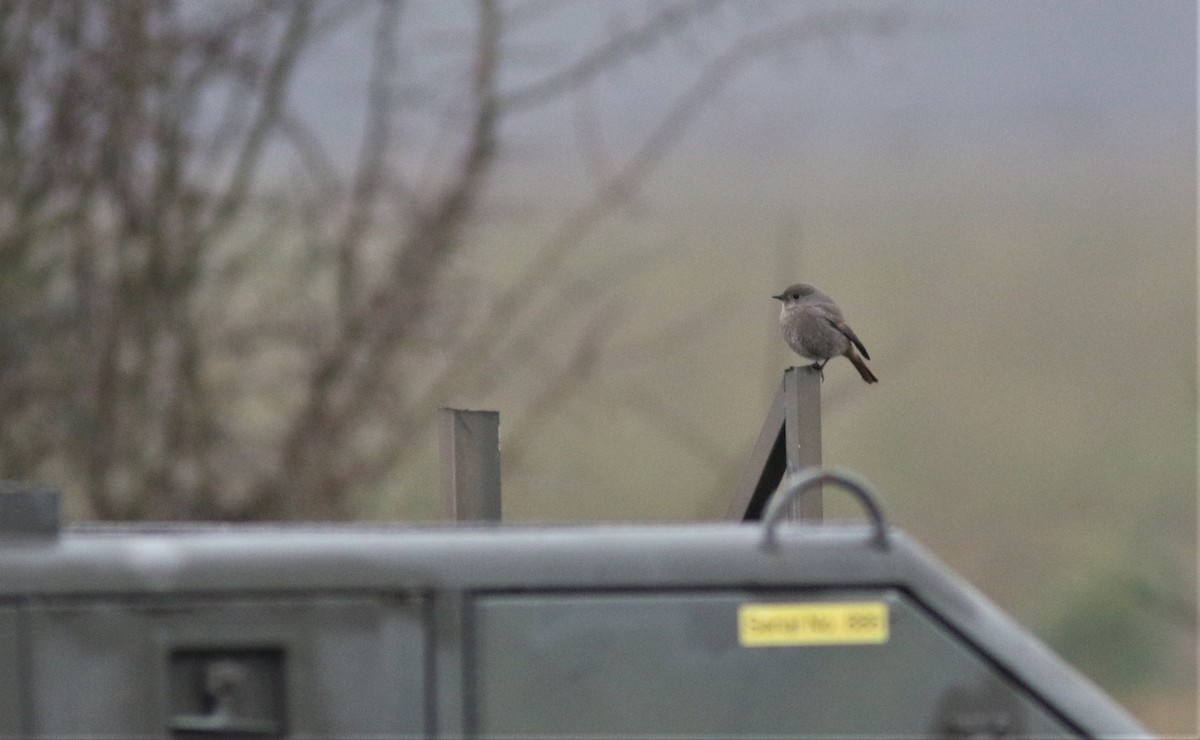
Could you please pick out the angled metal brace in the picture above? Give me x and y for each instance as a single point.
(790, 440)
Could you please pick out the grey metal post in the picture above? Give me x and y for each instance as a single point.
(790, 439)
(28, 510)
(470, 457)
(802, 428)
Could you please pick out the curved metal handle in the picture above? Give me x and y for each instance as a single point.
(799, 483)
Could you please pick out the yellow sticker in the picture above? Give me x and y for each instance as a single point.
(813, 623)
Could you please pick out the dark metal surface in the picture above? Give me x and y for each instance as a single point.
(643, 665)
(389, 627)
(123, 665)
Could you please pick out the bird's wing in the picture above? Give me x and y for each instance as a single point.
(828, 312)
(834, 317)
(844, 328)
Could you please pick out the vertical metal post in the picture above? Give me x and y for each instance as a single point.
(790, 440)
(470, 457)
(802, 430)
(28, 510)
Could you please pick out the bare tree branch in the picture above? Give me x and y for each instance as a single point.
(345, 377)
(372, 160)
(270, 109)
(186, 333)
(654, 147)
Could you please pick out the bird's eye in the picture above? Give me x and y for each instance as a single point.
(794, 296)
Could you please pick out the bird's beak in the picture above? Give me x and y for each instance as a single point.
(778, 297)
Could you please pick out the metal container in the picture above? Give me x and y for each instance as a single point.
(719, 630)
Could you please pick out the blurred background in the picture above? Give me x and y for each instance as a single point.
(248, 248)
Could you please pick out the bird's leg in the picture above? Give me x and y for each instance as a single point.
(820, 368)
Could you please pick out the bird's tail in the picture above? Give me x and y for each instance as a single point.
(861, 366)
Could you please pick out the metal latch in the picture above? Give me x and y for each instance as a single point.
(227, 693)
(984, 712)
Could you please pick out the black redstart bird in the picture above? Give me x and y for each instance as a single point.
(813, 326)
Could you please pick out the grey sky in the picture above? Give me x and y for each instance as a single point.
(957, 63)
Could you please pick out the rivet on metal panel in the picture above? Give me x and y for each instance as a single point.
(808, 479)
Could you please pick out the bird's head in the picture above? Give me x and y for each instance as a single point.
(795, 293)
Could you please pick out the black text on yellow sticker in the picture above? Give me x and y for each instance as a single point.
(813, 623)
